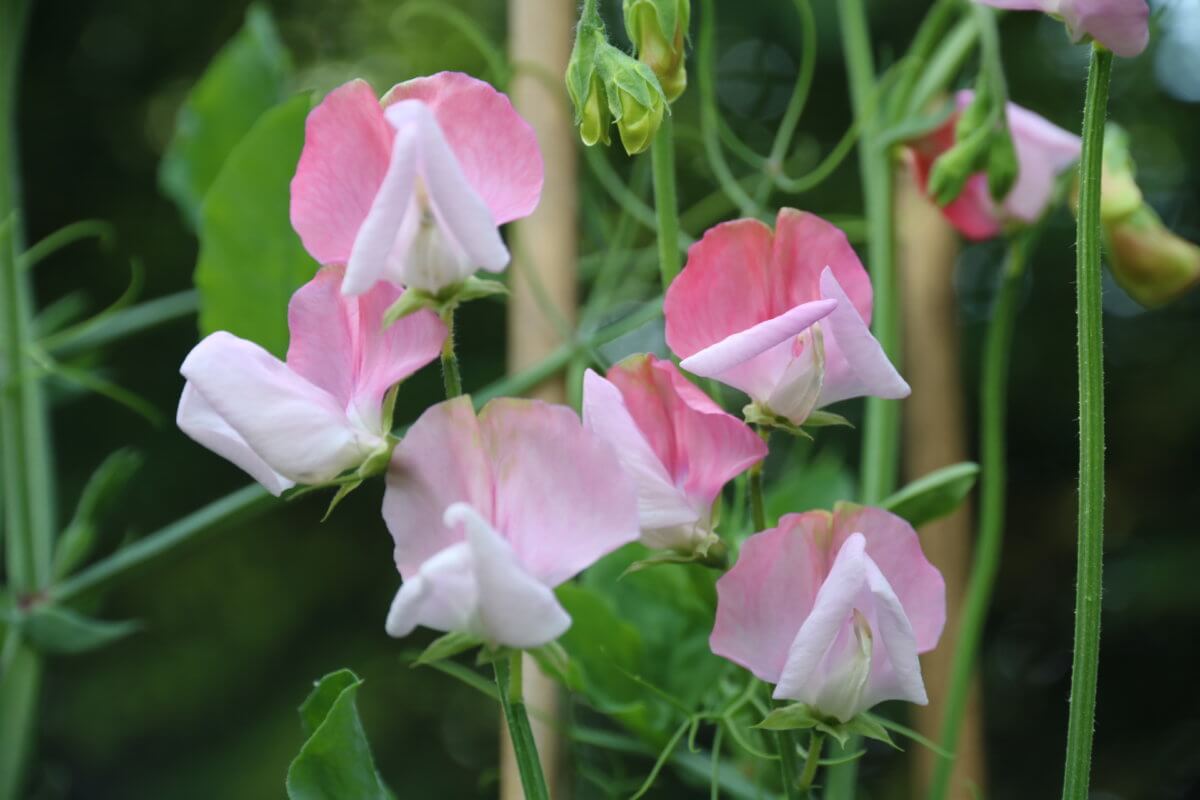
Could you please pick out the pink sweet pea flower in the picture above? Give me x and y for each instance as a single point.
(679, 447)
(1122, 26)
(1043, 150)
(412, 188)
(321, 413)
(833, 609)
(782, 316)
(490, 513)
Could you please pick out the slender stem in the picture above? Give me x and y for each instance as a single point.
(451, 378)
(508, 682)
(758, 509)
(120, 324)
(666, 207)
(787, 764)
(1091, 436)
(795, 107)
(992, 413)
(812, 762)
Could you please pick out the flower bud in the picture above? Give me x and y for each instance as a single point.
(1119, 193)
(642, 104)
(585, 85)
(1002, 165)
(953, 168)
(657, 29)
(1152, 264)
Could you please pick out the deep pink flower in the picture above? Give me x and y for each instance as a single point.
(413, 188)
(1122, 26)
(679, 447)
(490, 513)
(321, 413)
(1043, 150)
(782, 316)
(833, 609)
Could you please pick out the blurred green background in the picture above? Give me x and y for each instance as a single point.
(202, 703)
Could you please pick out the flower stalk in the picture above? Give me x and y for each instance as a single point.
(1090, 554)
(451, 376)
(993, 410)
(509, 684)
(666, 207)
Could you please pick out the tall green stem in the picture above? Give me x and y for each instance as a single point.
(992, 412)
(812, 762)
(451, 377)
(508, 682)
(666, 206)
(1090, 557)
(24, 430)
(881, 427)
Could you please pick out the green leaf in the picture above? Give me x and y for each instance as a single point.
(335, 763)
(792, 717)
(868, 727)
(59, 630)
(100, 494)
(935, 495)
(447, 646)
(251, 261)
(248, 76)
(824, 419)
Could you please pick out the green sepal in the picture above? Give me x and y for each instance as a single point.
(52, 629)
(1002, 166)
(935, 495)
(792, 717)
(351, 479)
(826, 419)
(442, 303)
(447, 646)
(756, 415)
(712, 552)
(868, 727)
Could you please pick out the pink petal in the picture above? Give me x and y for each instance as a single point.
(765, 596)
(339, 343)
(739, 349)
(561, 497)
(855, 364)
(893, 545)
(496, 149)
(724, 288)
(1022, 5)
(805, 246)
(299, 429)
(1044, 151)
(515, 610)
(855, 648)
(703, 446)
(972, 213)
(347, 145)
(439, 462)
(1122, 26)
(661, 504)
(204, 425)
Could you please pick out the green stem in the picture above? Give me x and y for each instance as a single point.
(666, 207)
(451, 377)
(787, 764)
(508, 682)
(881, 421)
(25, 466)
(812, 762)
(992, 412)
(758, 509)
(1091, 435)
(120, 324)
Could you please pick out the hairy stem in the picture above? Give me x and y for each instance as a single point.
(1089, 562)
(812, 762)
(451, 377)
(992, 412)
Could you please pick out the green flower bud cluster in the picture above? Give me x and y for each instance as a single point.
(608, 85)
(1152, 264)
(983, 143)
(658, 29)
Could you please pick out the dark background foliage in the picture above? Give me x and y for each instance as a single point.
(202, 703)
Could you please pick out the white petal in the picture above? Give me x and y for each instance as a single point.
(855, 364)
(377, 236)
(442, 595)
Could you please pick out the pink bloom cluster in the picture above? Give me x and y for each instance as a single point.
(489, 512)
(1043, 150)
(1122, 26)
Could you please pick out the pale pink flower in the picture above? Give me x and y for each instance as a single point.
(833, 609)
(1122, 26)
(490, 513)
(782, 316)
(679, 446)
(1043, 150)
(412, 188)
(321, 413)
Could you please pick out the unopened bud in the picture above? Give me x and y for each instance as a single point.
(585, 84)
(1002, 166)
(658, 29)
(952, 169)
(642, 106)
(1152, 264)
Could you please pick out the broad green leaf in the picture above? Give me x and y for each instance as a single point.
(51, 629)
(335, 763)
(935, 495)
(248, 76)
(794, 716)
(251, 261)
